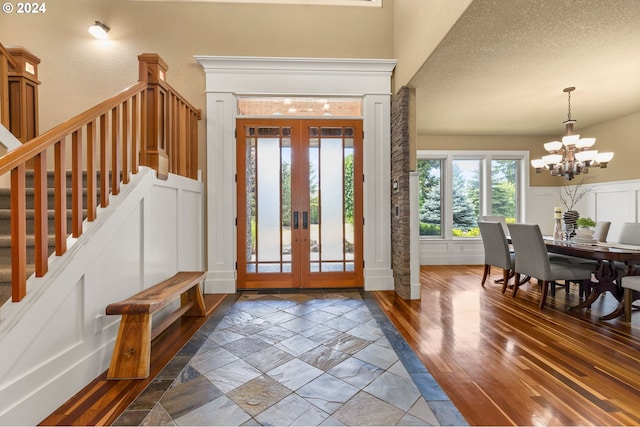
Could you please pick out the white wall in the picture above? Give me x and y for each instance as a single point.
(58, 339)
(617, 202)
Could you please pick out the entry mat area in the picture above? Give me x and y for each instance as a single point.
(313, 358)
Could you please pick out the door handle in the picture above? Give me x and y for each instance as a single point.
(305, 220)
(295, 220)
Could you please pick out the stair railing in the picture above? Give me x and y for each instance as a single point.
(148, 124)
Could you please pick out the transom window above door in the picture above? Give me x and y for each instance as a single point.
(280, 106)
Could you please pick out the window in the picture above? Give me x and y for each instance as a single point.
(458, 188)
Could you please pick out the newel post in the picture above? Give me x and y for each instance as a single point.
(153, 152)
(23, 94)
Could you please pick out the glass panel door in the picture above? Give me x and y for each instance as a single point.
(299, 203)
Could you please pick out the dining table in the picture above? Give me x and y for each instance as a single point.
(614, 260)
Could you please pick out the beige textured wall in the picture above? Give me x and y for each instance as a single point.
(620, 136)
(78, 71)
(418, 27)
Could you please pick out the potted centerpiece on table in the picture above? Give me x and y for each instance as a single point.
(585, 230)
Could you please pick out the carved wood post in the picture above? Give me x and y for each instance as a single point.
(23, 94)
(6, 61)
(154, 150)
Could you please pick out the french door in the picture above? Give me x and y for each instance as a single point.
(299, 207)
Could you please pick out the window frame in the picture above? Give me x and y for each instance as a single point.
(485, 157)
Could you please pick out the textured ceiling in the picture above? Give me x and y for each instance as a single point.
(502, 67)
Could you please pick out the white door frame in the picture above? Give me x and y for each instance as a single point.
(230, 77)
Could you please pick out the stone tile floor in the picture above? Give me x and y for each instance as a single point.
(312, 358)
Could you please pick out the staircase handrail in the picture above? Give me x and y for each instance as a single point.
(147, 124)
(40, 143)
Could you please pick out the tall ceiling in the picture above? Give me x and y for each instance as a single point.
(502, 68)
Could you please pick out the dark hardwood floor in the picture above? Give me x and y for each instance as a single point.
(501, 360)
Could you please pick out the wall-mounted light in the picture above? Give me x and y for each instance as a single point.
(99, 30)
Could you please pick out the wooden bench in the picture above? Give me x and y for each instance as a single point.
(132, 351)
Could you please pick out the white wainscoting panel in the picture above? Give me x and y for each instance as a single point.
(58, 338)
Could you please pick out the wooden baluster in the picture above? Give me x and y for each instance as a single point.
(125, 142)
(76, 183)
(92, 200)
(60, 197)
(104, 171)
(184, 141)
(193, 144)
(134, 133)
(171, 137)
(144, 126)
(18, 234)
(40, 220)
(115, 151)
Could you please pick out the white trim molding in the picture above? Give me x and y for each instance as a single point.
(230, 77)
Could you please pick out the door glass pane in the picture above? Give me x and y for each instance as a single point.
(250, 189)
(285, 177)
(466, 197)
(268, 209)
(504, 195)
(314, 202)
(331, 194)
(349, 202)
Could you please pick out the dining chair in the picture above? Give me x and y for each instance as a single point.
(496, 251)
(498, 218)
(532, 259)
(601, 231)
(630, 233)
(631, 286)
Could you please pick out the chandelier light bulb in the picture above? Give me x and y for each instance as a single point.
(585, 143)
(553, 146)
(570, 140)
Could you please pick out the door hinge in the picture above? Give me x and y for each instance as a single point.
(236, 265)
(362, 220)
(363, 263)
(235, 177)
(362, 133)
(235, 133)
(236, 221)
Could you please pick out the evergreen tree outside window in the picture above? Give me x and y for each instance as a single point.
(430, 200)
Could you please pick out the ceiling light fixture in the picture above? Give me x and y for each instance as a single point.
(99, 30)
(573, 155)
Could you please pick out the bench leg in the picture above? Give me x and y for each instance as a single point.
(194, 295)
(132, 352)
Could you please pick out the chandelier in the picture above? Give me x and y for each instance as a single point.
(573, 155)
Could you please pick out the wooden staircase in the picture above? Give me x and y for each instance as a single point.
(90, 156)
